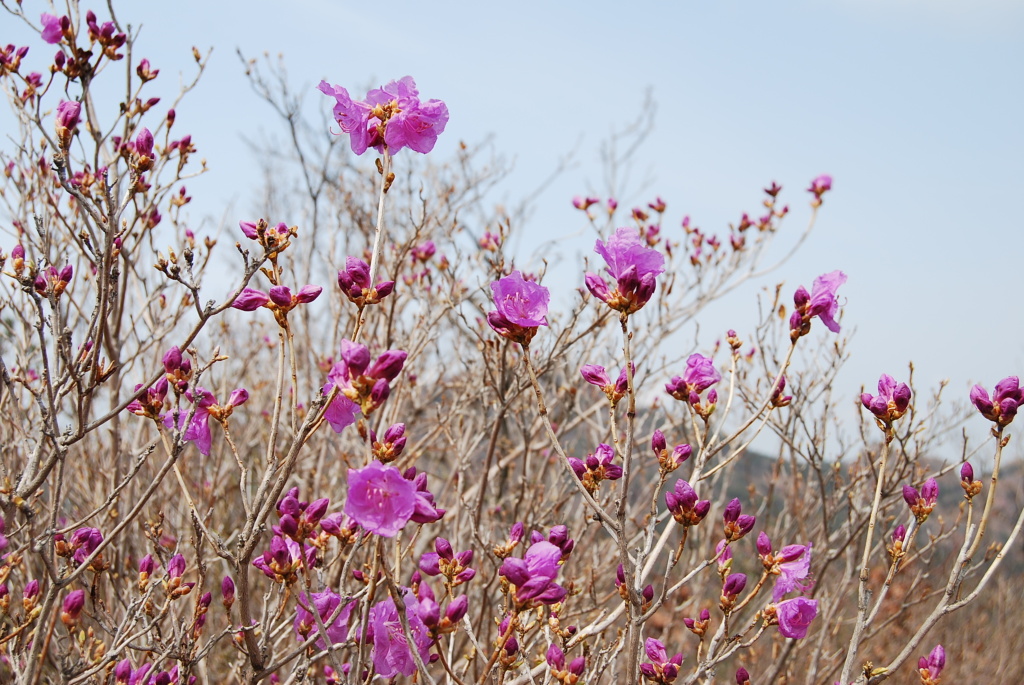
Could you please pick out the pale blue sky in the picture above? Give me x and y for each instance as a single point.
(914, 106)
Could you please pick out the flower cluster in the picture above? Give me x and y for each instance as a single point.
(534, 575)
(354, 281)
(662, 669)
(700, 374)
(445, 562)
(390, 118)
(325, 604)
(521, 306)
(668, 461)
(684, 506)
(821, 302)
(198, 429)
(596, 467)
(363, 386)
(280, 300)
(382, 499)
(567, 674)
(53, 281)
(890, 403)
(273, 239)
(736, 524)
(633, 267)
(921, 503)
(598, 375)
(1002, 406)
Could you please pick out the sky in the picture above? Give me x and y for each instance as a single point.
(913, 106)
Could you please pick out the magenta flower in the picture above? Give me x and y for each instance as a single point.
(820, 185)
(821, 302)
(930, 667)
(632, 265)
(354, 281)
(700, 375)
(922, 503)
(1003, 405)
(425, 510)
(84, 542)
(683, 504)
(53, 281)
(521, 306)
(391, 650)
(562, 673)
(198, 430)
(891, 402)
(280, 300)
(68, 113)
(362, 386)
(53, 31)
(661, 669)
(736, 524)
(596, 468)
(72, 607)
(380, 499)
(283, 559)
(795, 616)
(794, 565)
(534, 575)
(325, 603)
(445, 562)
(598, 375)
(392, 116)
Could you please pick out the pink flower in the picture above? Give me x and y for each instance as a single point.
(354, 281)
(521, 306)
(325, 603)
(632, 265)
(661, 669)
(391, 650)
(700, 375)
(891, 402)
(198, 429)
(596, 467)
(795, 567)
(795, 616)
(930, 667)
(392, 116)
(820, 185)
(534, 575)
(1002, 407)
(821, 302)
(380, 499)
(363, 387)
(52, 31)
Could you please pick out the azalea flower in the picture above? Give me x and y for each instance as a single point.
(391, 650)
(380, 499)
(633, 267)
(534, 575)
(520, 307)
(795, 616)
(391, 117)
(821, 302)
(325, 604)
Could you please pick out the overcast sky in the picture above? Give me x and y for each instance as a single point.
(914, 107)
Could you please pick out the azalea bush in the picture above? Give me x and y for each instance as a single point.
(218, 467)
